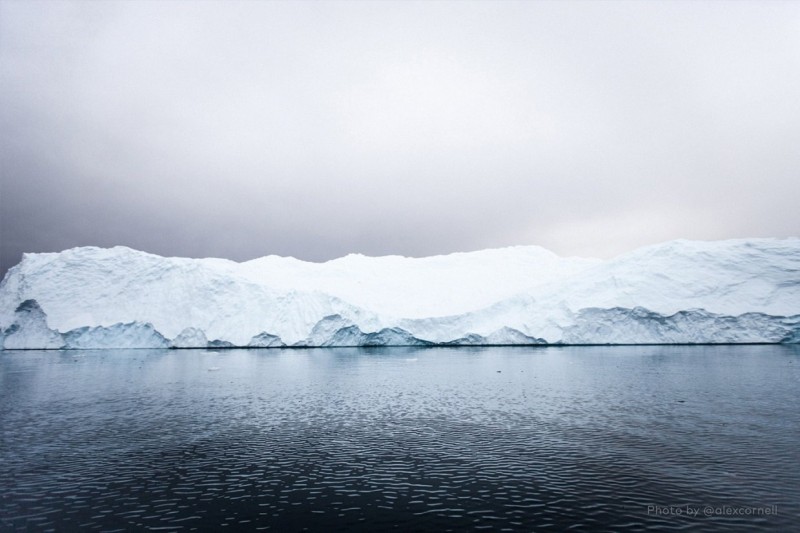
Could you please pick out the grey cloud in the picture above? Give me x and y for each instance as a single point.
(319, 129)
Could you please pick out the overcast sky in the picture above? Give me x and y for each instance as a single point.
(316, 129)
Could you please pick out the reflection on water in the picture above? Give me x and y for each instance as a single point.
(422, 439)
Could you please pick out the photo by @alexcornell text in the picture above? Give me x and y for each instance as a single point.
(711, 510)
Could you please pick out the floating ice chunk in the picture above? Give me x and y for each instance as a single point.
(30, 331)
(131, 335)
(266, 340)
(190, 338)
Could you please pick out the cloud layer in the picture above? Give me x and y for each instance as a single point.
(319, 129)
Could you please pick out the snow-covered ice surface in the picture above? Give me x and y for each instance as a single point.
(731, 291)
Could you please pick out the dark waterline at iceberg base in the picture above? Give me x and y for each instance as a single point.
(515, 439)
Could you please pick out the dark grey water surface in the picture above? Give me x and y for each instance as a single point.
(509, 439)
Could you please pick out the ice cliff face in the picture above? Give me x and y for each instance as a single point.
(30, 330)
(677, 292)
(190, 338)
(131, 335)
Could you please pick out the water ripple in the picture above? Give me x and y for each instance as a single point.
(579, 440)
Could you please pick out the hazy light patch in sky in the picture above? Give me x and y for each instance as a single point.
(241, 129)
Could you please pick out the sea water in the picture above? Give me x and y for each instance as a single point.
(505, 439)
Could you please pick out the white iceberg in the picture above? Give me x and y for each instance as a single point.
(29, 330)
(733, 291)
(190, 338)
(265, 340)
(130, 335)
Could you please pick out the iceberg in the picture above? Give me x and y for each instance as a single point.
(353, 336)
(731, 291)
(131, 335)
(265, 340)
(190, 338)
(504, 336)
(30, 331)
